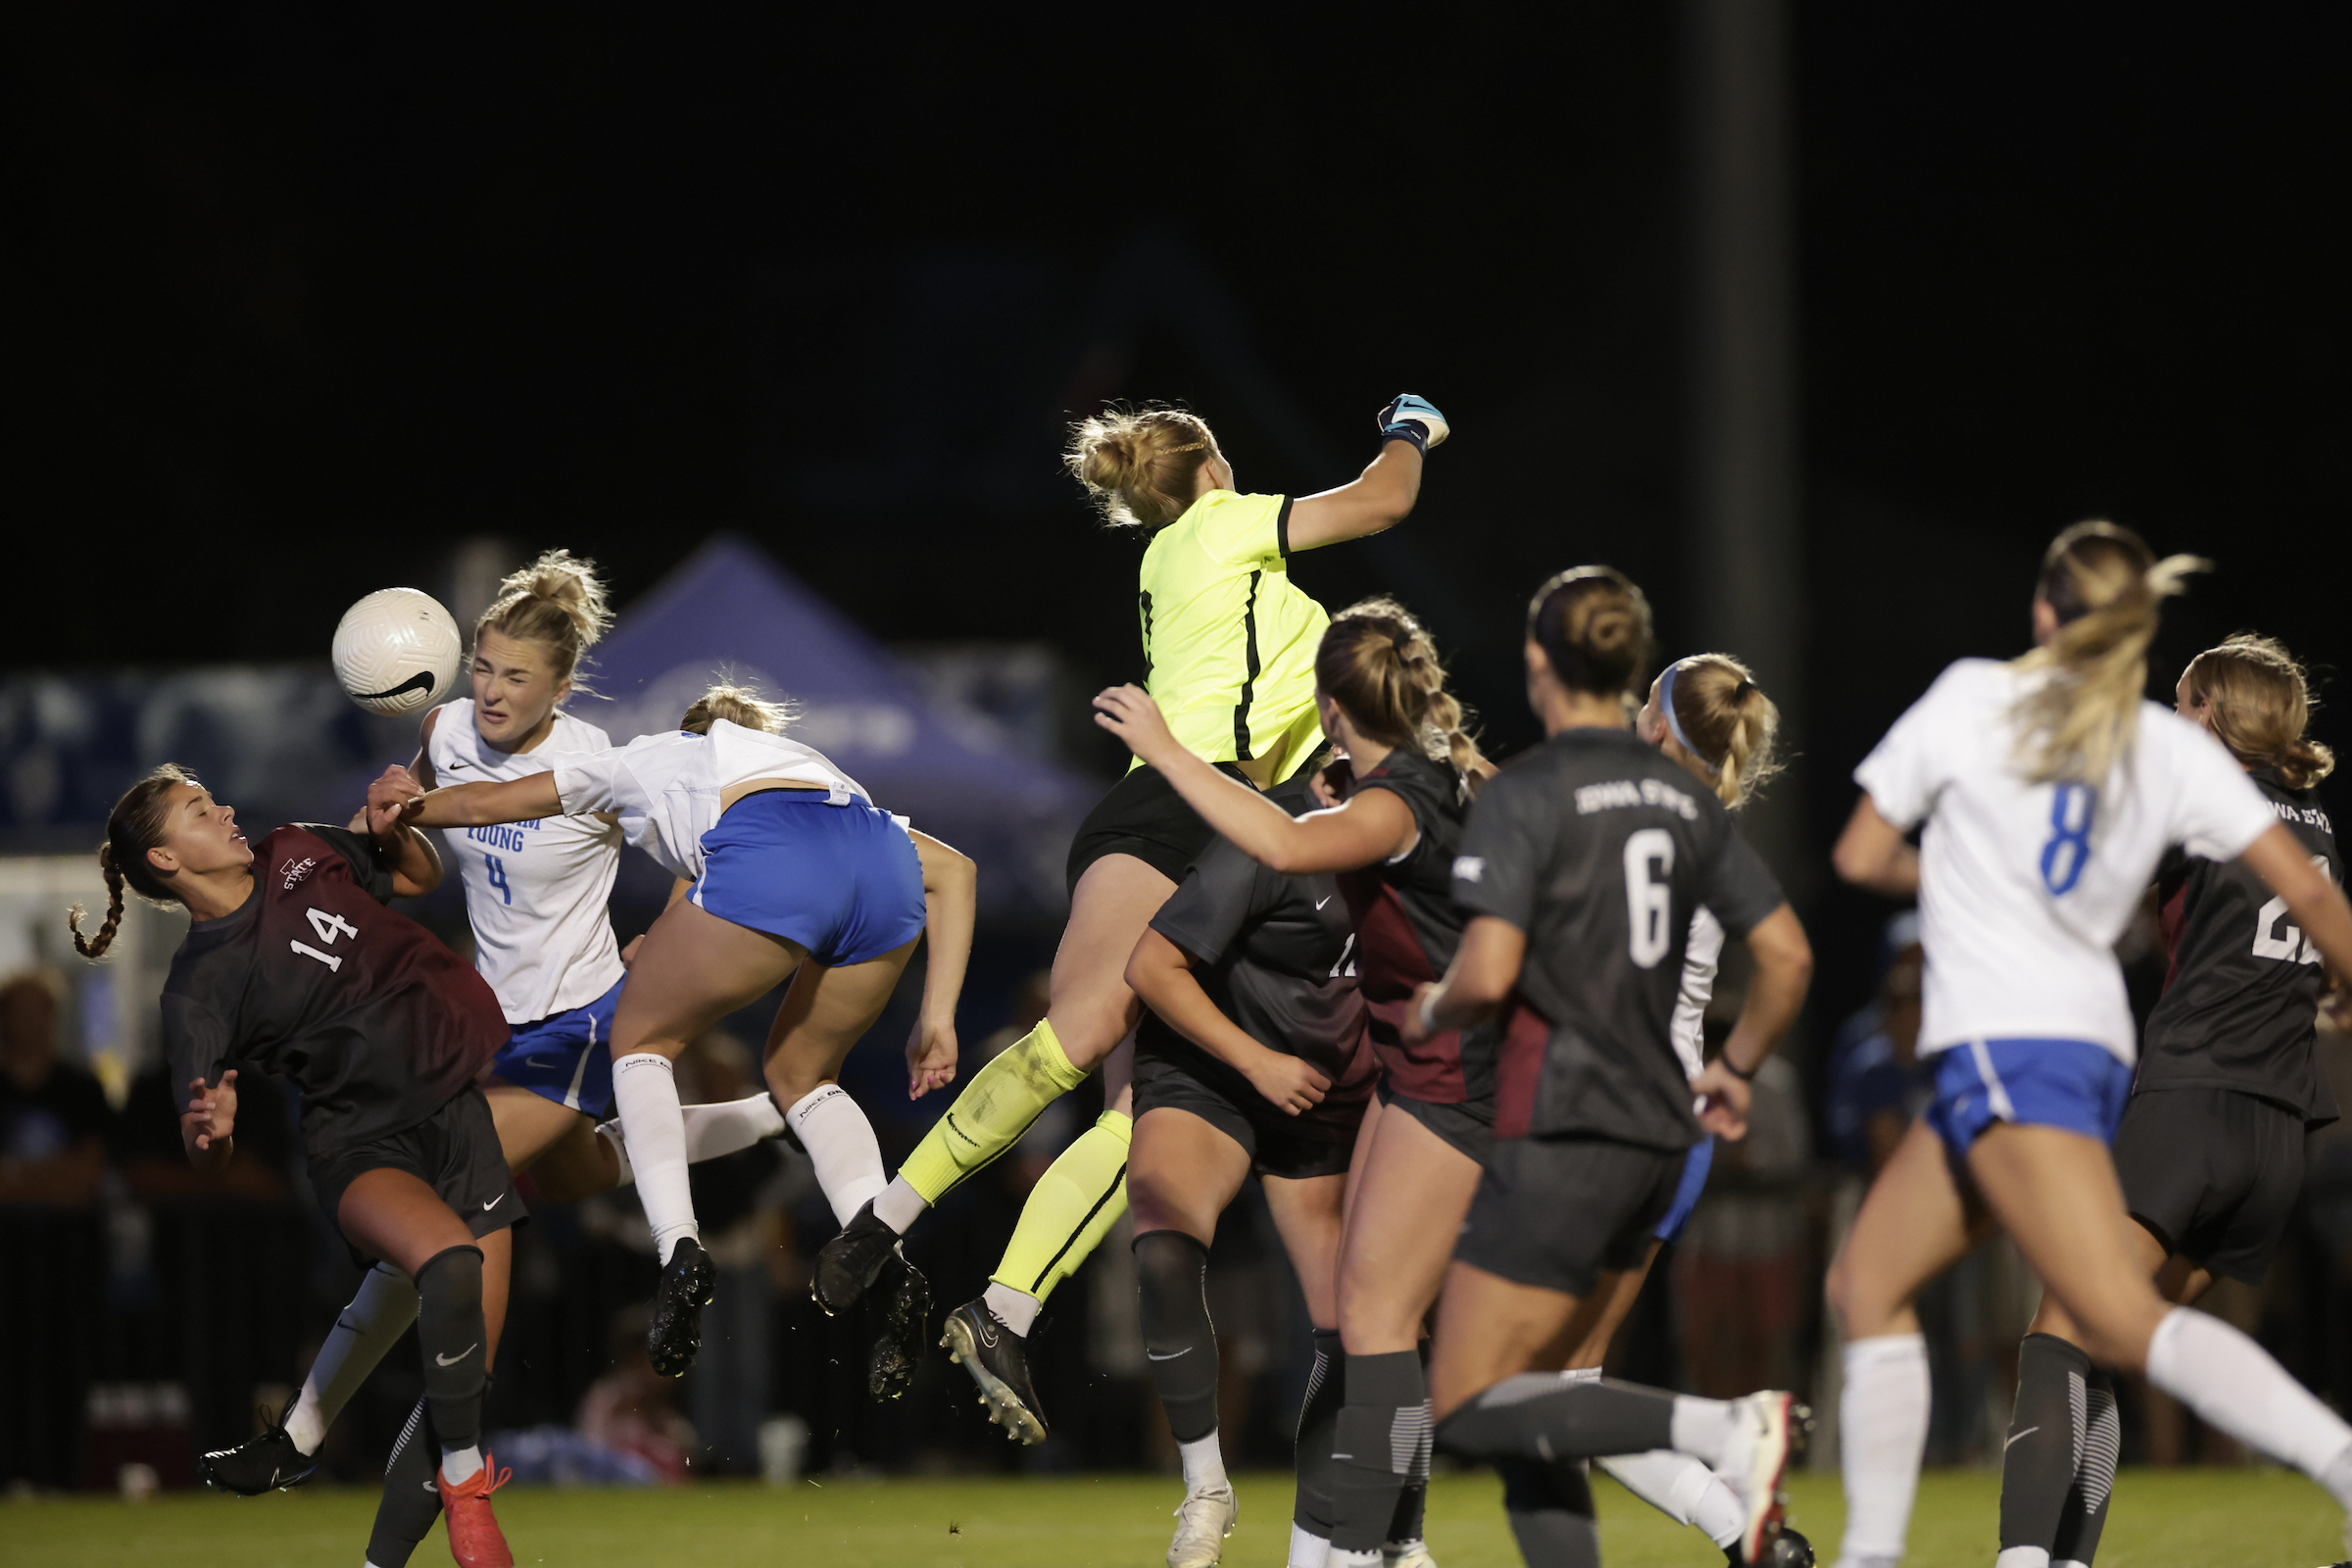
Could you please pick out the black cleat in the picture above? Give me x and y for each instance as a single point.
(906, 1324)
(687, 1283)
(268, 1464)
(1789, 1549)
(848, 1265)
(999, 1361)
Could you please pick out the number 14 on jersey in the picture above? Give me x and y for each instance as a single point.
(329, 927)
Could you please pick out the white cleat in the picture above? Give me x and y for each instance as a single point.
(1406, 1554)
(1203, 1522)
(1768, 1429)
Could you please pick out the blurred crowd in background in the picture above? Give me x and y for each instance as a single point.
(174, 1310)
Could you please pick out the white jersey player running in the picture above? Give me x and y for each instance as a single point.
(2049, 787)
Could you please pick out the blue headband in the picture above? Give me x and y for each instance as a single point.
(1674, 721)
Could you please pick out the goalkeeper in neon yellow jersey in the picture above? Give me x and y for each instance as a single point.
(1229, 647)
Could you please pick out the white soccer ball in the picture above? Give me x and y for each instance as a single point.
(397, 652)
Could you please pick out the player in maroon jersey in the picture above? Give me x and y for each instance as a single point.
(1382, 697)
(293, 967)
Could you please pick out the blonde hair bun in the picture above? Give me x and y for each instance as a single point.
(1139, 467)
(557, 602)
(738, 704)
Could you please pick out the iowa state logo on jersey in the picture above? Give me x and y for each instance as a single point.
(295, 870)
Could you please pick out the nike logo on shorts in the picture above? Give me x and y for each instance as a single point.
(494, 1203)
(1325, 899)
(453, 1360)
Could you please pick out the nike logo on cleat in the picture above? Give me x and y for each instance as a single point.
(453, 1360)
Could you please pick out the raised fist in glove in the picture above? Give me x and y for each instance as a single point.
(1415, 419)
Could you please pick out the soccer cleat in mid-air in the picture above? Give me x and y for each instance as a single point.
(848, 1265)
(999, 1361)
(1406, 1554)
(688, 1282)
(1768, 1429)
(1203, 1522)
(474, 1537)
(906, 1326)
(1789, 1549)
(268, 1464)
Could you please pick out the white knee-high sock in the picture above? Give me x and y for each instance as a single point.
(841, 1145)
(645, 1091)
(2232, 1383)
(1682, 1489)
(377, 1316)
(730, 1126)
(1883, 1432)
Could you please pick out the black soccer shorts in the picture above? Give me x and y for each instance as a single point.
(1559, 1213)
(2213, 1173)
(455, 1152)
(1319, 1141)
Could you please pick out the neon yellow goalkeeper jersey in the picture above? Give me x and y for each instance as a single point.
(1229, 642)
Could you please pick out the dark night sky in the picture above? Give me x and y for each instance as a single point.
(290, 303)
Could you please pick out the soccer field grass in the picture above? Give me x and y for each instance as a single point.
(2163, 1519)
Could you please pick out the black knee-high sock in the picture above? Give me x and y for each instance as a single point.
(1318, 1417)
(1171, 1274)
(2086, 1514)
(411, 1501)
(1535, 1415)
(1413, 1502)
(1380, 1429)
(2046, 1441)
(452, 1344)
(1549, 1504)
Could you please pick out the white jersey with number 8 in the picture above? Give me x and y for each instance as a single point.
(535, 891)
(2024, 887)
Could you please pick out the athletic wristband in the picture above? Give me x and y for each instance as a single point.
(1747, 1077)
(1426, 1011)
(1412, 431)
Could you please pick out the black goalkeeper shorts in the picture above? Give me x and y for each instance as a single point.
(2213, 1173)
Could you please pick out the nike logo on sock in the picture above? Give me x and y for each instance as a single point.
(453, 1360)
(2013, 1437)
(1157, 1357)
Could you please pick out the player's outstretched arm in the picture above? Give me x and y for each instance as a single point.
(951, 897)
(1485, 968)
(516, 800)
(1161, 974)
(1372, 826)
(1784, 974)
(415, 863)
(207, 1127)
(1383, 494)
(1873, 853)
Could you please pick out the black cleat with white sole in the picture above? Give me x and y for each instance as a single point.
(999, 1361)
(688, 1282)
(1789, 1549)
(268, 1464)
(898, 1352)
(848, 1265)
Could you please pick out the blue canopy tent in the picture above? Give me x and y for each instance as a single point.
(730, 609)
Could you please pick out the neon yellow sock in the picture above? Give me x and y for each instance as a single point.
(1072, 1208)
(994, 1108)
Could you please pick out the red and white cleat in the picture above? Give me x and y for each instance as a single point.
(1767, 1431)
(474, 1537)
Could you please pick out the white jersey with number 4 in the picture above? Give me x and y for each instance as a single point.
(2024, 888)
(535, 891)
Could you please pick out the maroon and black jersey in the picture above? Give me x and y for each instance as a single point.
(312, 979)
(1406, 928)
(2241, 992)
(1599, 848)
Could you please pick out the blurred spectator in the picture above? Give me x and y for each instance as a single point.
(154, 1164)
(749, 1236)
(1877, 1083)
(1742, 1275)
(632, 1410)
(53, 1117)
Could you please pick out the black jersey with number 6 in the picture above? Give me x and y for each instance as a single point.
(313, 980)
(1599, 848)
(2241, 991)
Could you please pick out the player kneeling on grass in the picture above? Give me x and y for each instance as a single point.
(292, 966)
(1581, 867)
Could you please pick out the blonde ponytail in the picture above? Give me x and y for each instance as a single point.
(2105, 587)
(1724, 723)
(1141, 468)
(737, 704)
(1381, 667)
(557, 601)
